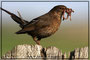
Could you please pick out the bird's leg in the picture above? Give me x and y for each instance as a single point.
(37, 41)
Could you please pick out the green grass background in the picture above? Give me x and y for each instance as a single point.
(67, 38)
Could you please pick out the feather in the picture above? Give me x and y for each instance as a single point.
(16, 18)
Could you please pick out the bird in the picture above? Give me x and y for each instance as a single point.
(44, 25)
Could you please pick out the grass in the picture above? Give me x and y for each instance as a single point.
(64, 39)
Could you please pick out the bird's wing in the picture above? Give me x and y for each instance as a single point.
(37, 23)
(44, 21)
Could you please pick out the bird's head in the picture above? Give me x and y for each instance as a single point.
(58, 8)
(61, 9)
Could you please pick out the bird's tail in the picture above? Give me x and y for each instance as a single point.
(17, 19)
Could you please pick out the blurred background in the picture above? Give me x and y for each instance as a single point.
(71, 34)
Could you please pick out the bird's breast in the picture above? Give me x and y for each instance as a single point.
(49, 30)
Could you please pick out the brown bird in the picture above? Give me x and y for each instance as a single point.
(43, 26)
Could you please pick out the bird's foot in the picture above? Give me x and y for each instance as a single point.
(38, 42)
